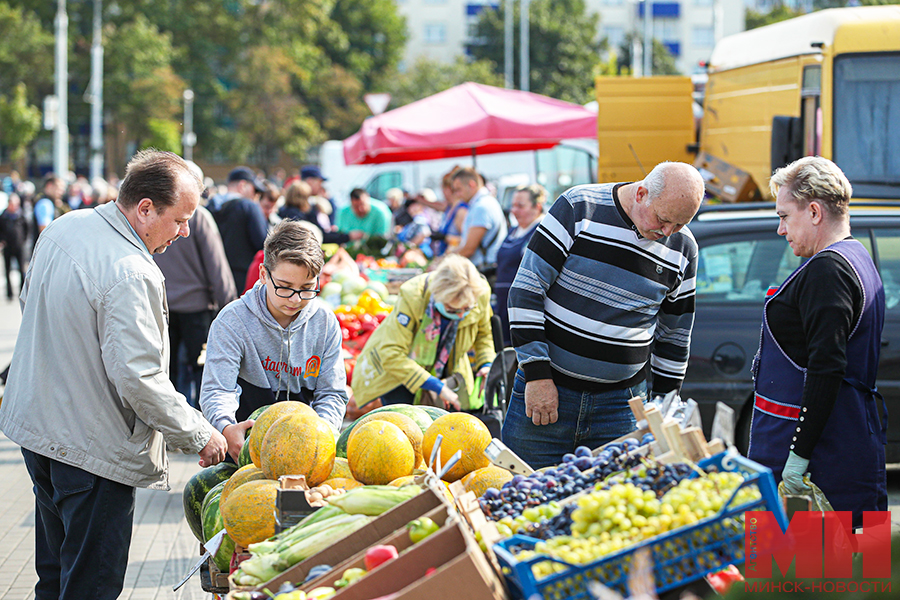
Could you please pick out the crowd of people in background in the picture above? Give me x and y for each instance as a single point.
(220, 260)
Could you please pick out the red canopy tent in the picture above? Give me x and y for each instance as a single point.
(466, 119)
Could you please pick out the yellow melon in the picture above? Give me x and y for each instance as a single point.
(479, 480)
(409, 427)
(298, 444)
(340, 469)
(405, 480)
(342, 483)
(265, 420)
(249, 513)
(379, 452)
(460, 431)
(245, 474)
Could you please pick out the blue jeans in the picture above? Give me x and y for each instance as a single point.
(585, 419)
(82, 530)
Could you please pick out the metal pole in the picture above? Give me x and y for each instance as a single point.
(637, 51)
(648, 38)
(97, 93)
(508, 82)
(61, 133)
(524, 66)
(189, 138)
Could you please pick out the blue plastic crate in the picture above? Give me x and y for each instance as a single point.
(678, 557)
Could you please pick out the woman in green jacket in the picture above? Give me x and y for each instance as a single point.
(439, 317)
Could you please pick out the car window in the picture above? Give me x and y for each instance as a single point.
(887, 243)
(742, 270)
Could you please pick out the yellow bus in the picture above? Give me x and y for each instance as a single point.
(827, 83)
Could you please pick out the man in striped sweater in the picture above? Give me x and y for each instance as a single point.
(605, 287)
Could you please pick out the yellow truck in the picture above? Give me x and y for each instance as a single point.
(826, 83)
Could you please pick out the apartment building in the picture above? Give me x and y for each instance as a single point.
(440, 29)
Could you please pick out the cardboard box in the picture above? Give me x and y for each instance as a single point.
(383, 526)
(461, 571)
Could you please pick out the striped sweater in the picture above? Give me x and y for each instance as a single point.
(592, 298)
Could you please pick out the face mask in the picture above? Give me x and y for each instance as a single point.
(449, 315)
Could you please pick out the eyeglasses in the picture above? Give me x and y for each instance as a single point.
(286, 292)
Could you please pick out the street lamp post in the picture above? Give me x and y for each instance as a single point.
(524, 66)
(61, 133)
(190, 139)
(96, 94)
(648, 38)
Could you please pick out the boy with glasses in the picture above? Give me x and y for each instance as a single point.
(276, 342)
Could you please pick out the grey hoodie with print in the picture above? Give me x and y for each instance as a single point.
(245, 341)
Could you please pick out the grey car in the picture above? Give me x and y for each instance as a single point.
(741, 256)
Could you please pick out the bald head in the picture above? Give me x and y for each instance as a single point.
(677, 185)
(665, 201)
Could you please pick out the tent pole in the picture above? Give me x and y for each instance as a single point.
(474, 166)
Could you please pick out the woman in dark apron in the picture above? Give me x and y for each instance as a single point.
(528, 209)
(816, 404)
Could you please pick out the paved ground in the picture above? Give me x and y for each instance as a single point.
(163, 547)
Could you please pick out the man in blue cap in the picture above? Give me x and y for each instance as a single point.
(241, 221)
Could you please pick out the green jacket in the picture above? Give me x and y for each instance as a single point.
(384, 362)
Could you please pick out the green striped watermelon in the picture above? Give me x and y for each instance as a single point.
(213, 524)
(419, 416)
(244, 457)
(196, 490)
(433, 411)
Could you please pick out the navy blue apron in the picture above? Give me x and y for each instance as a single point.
(848, 461)
(508, 258)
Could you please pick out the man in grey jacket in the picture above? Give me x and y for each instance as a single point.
(88, 396)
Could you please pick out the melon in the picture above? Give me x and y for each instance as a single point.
(405, 480)
(299, 444)
(379, 452)
(416, 413)
(243, 475)
(340, 469)
(461, 431)
(265, 420)
(249, 512)
(479, 480)
(244, 456)
(409, 427)
(343, 483)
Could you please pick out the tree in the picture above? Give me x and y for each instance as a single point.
(781, 12)
(663, 61)
(428, 77)
(26, 53)
(268, 115)
(19, 122)
(563, 46)
(141, 90)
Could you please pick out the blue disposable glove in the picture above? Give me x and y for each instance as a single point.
(792, 475)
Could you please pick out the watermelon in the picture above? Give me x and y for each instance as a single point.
(256, 413)
(416, 413)
(244, 457)
(212, 524)
(433, 411)
(196, 489)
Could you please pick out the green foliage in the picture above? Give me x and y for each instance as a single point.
(663, 61)
(427, 77)
(781, 12)
(19, 121)
(563, 46)
(162, 134)
(26, 53)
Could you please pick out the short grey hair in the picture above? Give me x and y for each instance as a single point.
(814, 178)
(655, 181)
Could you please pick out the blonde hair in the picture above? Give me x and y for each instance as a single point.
(456, 280)
(814, 178)
(297, 195)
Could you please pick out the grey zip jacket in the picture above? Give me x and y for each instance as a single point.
(245, 341)
(89, 384)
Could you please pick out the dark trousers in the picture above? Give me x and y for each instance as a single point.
(82, 531)
(8, 255)
(192, 330)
